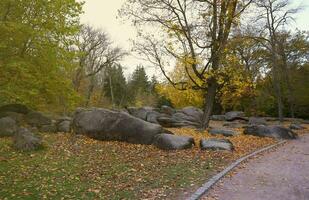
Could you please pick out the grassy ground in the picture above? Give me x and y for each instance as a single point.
(80, 168)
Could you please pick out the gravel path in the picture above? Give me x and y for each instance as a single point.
(282, 174)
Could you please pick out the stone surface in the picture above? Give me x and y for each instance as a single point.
(64, 126)
(296, 126)
(24, 140)
(167, 110)
(17, 108)
(218, 117)
(216, 144)
(103, 124)
(224, 132)
(234, 115)
(37, 119)
(173, 142)
(274, 131)
(257, 121)
(8, 126)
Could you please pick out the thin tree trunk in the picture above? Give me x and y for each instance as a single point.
(111, 88)
(278, 92)
(90, 91)
(288, 81)
(209, 102)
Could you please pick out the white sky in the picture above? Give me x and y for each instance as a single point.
(103, 14)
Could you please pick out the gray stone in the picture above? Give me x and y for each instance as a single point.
(295, 126)
(37, 119)
(167, 110)
(274, 131)
(24, 140)
(103, 124)
(216, 144)
(173, 142)
(152, 117)
(64, 126)
(222, 132)
(8, 127)
(140, 113)
(234, 115)
(218, 117)
(17, 108)
(257, 121)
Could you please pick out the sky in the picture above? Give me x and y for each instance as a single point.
(103, 14)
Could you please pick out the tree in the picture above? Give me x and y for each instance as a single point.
(96, 52)
(194, 32)
(275, 14)
(35, 59)
(115, 85)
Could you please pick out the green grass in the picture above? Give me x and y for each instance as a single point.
(81, 168)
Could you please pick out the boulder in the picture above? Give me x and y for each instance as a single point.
(194, 114)
(18, 117)
(24, 140)
(257, 121)
(64, 126)
(37, 119)
(8, 126)
(152, 117)
(216, 144)
(173, 142)
(140, 113)
(103, 124)
(296, 126)
(234, 115)
(274, 131)
(167, 110)
(17, 108)
(222, 132)
(218, 117)
(186, 117)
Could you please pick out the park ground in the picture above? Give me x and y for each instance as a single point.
(76, 167)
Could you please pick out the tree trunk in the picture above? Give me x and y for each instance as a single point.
(90, 91)
(278, 92)
(209, 102)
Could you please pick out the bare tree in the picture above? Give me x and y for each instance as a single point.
(275, 14)
(96, 52)
(194, 32)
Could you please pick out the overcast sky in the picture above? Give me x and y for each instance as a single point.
(103, 14)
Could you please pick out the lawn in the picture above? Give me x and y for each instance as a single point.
(71, 167)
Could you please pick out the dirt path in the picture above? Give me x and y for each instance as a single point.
(279, 175)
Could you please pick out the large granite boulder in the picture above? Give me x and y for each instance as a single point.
(173, 142)
(24, 140)
(140, 113)
(234, 115)
(167, 110)
(63, 124)
(274, 131)
(296, 126)
(103, 124)
(224, 132)
(17, 108)
(37, 119)
(218, 117)
(186, 117)
(216, 144)
(8, 127)
(257, 121)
